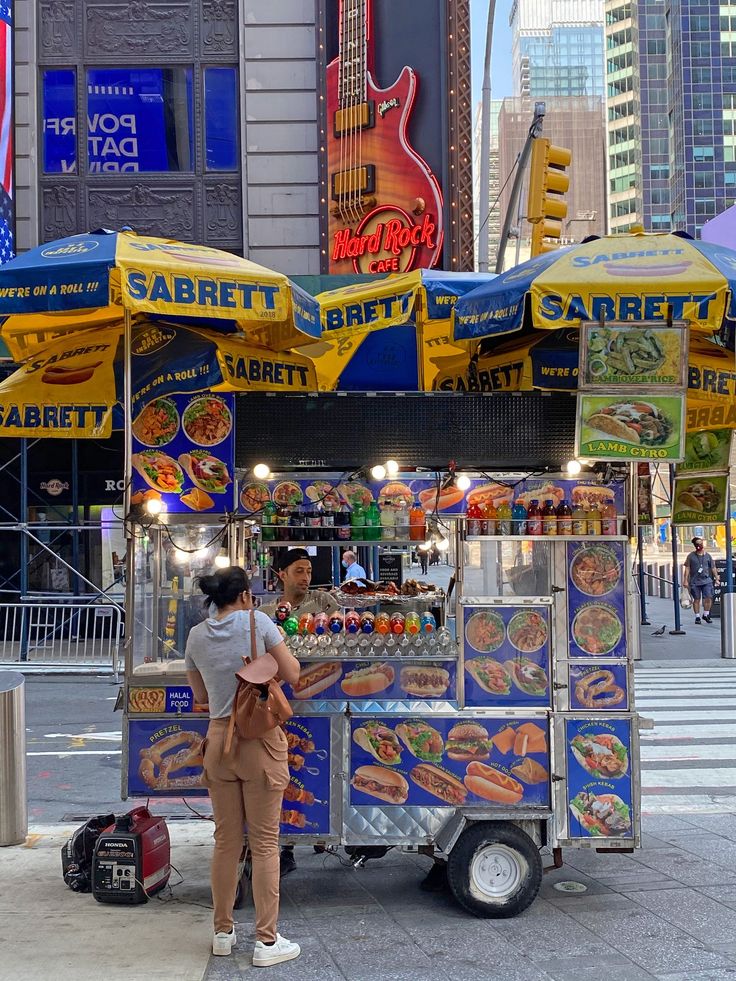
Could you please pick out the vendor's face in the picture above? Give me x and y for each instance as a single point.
(297, 577)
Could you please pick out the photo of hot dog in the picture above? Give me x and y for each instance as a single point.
(439, 783)
(490, 784)
(424, 680)
(61, 375)
(384, 784)
(434, 499)
(367, 681)
(546, 491)
(315, 678)
(490, 494)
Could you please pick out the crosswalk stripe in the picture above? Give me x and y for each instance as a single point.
(688, 760)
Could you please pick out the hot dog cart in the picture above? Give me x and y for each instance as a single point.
(504, 723)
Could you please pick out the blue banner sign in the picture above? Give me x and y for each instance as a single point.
(306, 807)
(599, 687)
(596, 599)
(599, 788)
(440, 762)
(507, 656)
(165, 757)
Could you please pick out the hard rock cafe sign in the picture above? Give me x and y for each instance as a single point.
(386, 240)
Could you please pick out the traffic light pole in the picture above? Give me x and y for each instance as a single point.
(535, 130)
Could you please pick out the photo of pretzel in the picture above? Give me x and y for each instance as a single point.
(147, 700)
(178, 751)
(599, 690)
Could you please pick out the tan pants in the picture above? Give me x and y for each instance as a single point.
(246, 786)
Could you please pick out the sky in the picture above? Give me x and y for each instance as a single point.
(500, 53)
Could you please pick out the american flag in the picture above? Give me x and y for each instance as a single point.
(6, 132)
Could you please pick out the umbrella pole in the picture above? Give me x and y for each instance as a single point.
(128, 458)
(675, 570)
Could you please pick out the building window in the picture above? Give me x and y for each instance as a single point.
(59, 121)
(660, 222)
(704, 179)
(701, 153)
(221, 118)
(702, 100)
(705, 207)
(703, 127)
(138, 119)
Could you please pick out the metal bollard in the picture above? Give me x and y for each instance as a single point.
(13, 794)
(728, 624)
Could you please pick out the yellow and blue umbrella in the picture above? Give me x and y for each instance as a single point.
(633, 277)
(100, 276)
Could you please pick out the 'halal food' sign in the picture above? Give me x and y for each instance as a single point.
(386, 240)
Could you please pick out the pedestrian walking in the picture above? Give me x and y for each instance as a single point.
(424, 560)
(248, 782)
(699, 574)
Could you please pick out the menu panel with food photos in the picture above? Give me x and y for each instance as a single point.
(507, 656)
(599, 787)
(306, 807)
(184, 453)
(165, 759)
(376, 680)
(599, 687)
(449, 762)
(597, 599)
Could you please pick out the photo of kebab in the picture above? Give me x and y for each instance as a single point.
(296, 763)
(298, 795)
(297, 820)
(304, 745)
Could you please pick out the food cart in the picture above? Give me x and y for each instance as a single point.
(504, 724)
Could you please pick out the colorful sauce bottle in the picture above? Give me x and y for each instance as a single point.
(367, 622)
(290, 625)
(412, 623)
(283, 612)
(352, 622)
(383, 623)
(397, 623)
(594, 520)
(336, 622)
(321, 623)
(306, 623)
(564, 519)
(579, 521)
(428, 623)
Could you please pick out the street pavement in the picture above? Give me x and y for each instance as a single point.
(667, 911)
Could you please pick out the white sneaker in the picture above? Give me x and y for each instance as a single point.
(223, 943)
(282, 950)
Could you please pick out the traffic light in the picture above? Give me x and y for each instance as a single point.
(548, 184)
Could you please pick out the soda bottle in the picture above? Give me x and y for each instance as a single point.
(594, 520)
(321, 623)
(475, 519)
(504, 518)
(306, 623)
(579, 521)
(388, 522)
(342, 523)
(282, 525)
(549, 518)
(367, 622)
(564, 518)
(310, 531)
(268, 520)
(283, 612)
(327, 530)
(383, 623)
(402, 521)
(373, 523)
(519, 518)
(412, 623)
(397, 623)
(290, 625)
(314, 523)
(489, 522)
(428, 623)
(609, 519)
(336, 622)
(534, 519)
(357, 522)
(417, 523)
(352, 622)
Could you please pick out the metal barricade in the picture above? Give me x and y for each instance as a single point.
(61, 634)
(13, 794)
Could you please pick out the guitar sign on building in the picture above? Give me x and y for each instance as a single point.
(384, 203)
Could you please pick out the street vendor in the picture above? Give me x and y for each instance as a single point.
(295, 574)
(699, 574)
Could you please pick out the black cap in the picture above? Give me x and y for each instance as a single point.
(293, 555)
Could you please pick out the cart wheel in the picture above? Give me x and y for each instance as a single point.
(494, 870)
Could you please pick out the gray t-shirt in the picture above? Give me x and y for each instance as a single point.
(216, 649)
(701, 568)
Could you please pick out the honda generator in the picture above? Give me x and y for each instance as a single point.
(131, 859)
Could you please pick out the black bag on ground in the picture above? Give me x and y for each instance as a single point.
(76, 854)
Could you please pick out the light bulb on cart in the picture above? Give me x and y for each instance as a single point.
(154, 505)
(443, 544)
(378, 472)
(573, 467)
(222, 561)
(392, 468)
(262, 471)
(463, 482)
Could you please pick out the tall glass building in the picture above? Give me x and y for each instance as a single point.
(557, 48)
(671, 102)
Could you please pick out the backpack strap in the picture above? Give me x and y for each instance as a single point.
(253, 656)
(253, 646)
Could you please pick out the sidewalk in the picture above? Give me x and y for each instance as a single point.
(700, 642)
(666, 911)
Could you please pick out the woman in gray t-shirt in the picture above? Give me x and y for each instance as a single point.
(248, 783)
